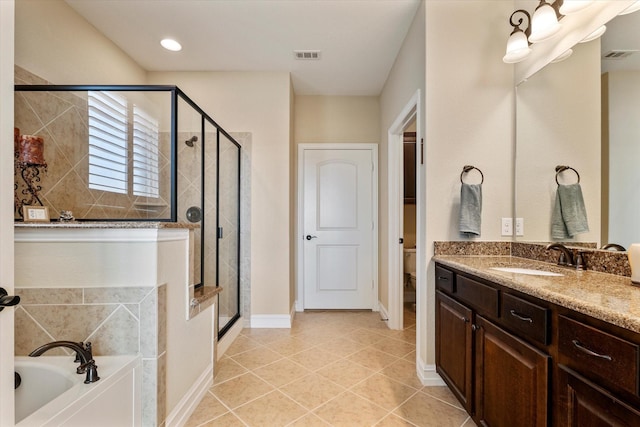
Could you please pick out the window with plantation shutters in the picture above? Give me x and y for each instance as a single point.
(107, 142)
(145, 154)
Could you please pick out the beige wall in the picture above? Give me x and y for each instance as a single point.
(469, 116)
(57, 44)
(256, 102)
(336, 119)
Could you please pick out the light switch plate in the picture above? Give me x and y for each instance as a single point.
(507, 226)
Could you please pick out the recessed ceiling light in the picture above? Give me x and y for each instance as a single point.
(171, 44)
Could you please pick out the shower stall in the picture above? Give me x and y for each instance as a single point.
(135, 153)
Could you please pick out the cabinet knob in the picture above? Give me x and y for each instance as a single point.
(474, 327)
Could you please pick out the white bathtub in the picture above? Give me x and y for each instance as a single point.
(52, 394)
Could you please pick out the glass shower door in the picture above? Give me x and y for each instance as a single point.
(228, 232)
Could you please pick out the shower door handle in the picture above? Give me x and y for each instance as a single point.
(309, 237)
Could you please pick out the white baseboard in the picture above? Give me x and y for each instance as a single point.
(190, 401)
(271, 321)
(428, 375)
(229, 337)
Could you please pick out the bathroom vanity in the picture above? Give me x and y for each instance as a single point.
(538, 349)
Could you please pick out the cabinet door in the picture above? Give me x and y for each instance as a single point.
(512, 379)
(584, 404)
(454, 347)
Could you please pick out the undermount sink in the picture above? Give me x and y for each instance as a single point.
(528, 271)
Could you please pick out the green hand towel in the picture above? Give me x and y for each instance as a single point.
(470, 209)
(569, 216)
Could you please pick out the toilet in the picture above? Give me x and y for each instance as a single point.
(410, 266)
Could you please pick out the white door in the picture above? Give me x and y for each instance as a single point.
(338, 228)
(6, 212)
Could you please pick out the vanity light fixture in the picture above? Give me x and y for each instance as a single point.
(634, 7)
(572, 6)
(544, 23)
(564, 55)
(518, 43)
(596, 34)
(171, 44)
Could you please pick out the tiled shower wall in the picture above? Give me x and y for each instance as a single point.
(115, 320)
(61, 119)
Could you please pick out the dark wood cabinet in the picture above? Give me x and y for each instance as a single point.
(409, 166)
(585, 404)
(516, 360)
(454, 346)
(511, 377)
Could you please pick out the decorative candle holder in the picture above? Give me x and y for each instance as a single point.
(29, 159)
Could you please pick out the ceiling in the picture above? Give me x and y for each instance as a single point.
(358, 39)
(623, 33)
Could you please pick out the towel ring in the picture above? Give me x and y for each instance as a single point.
(560, 169)
(469, 168)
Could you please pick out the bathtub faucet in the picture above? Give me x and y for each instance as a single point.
(87, 364)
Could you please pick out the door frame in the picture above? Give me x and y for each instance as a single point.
(299, 233)
(395, 186)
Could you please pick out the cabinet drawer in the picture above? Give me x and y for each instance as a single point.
(595, 353)
(445, 279)
(479, 295)
(529, 319)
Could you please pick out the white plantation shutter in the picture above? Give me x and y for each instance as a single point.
(107, 142)
(145, 154)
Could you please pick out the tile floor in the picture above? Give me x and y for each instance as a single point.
(330, 369)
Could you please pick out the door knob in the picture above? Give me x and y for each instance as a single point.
(7, 300)
(309, 237)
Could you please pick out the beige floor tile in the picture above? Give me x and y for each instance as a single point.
(394, 421)
(309, 420)
(469, 423)
(273, 409)
(411, 357)
(425, 411)
(281, 372)
(396, 347)
(266, 336)
(226, 369)
(364, 336)
(227, 420)
(342, 347)
(312, 391)
(383, 391)
(208, 409)
(443, 393)
(373, 359)
(241, 390)
(314, 359)
(345, 372)
(404, 372)
(256, 358)
(290, 346)
(240, 345)
(350, 410)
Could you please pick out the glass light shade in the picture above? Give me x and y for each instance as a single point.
(572, 6)
(544, 23)
(171, 45)
(634, 7)
(597, 33)
(517, 47)
(567, 53)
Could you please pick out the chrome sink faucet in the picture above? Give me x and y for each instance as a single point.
(83, 355)
(566, 256)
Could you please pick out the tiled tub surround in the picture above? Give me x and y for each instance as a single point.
(117, 321)
(125, 289)
(608, 297)
(612, 262)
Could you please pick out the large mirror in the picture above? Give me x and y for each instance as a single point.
(583, 113)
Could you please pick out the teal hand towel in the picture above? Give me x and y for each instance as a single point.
(569, 216)
(470, 209)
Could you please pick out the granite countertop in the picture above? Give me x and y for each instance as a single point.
(607, 297)
(109, 224)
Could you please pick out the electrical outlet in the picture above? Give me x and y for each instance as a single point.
(519, 226)
(507, 226)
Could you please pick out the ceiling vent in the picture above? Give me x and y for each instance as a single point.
(618, 54)
(307, 55)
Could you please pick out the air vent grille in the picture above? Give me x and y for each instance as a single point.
(307, 55)
(618, 54)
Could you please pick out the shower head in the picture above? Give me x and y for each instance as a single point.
(191, 140)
